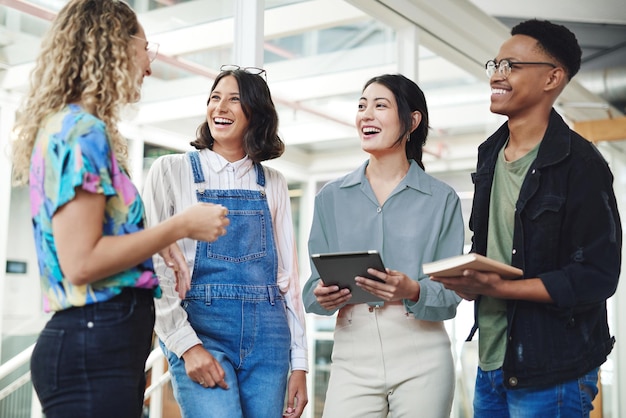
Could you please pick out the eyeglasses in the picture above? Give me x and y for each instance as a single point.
(151, 47)
(250, 70)
(504, 66)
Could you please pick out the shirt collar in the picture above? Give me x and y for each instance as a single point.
(415, 178)
(218, 164)
(554, 146)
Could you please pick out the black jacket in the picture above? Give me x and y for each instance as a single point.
(568, 233)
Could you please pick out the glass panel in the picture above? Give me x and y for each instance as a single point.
(323, 350)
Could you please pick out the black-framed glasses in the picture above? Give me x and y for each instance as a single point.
(250, 70)
(151, 47)
(504, 66)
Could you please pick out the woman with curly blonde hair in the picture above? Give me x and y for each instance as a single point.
(93, 251)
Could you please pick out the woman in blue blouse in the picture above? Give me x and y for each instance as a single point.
(392, 356)
(93, 252)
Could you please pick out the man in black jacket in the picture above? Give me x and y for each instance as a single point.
(543, 202)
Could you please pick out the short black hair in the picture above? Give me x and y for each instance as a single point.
(556, 40)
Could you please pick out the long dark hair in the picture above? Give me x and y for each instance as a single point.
(410, 98)
(260, 141)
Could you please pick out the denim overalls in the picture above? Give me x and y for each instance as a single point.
(237, 310)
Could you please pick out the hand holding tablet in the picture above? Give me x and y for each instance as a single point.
(341, 268)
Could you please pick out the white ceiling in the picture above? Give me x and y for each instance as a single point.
(319, 53)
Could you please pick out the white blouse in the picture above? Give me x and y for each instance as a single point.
(169, 189)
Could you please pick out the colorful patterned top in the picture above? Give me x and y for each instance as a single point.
(72, 150)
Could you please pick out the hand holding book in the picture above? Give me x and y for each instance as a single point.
(454, 266)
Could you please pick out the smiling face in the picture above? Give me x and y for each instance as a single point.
(528, 85)
(225, 116)
(377, 120)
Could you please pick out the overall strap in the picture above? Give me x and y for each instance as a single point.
(260, 175)
(194, 159)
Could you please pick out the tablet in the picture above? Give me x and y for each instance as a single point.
(341, 268)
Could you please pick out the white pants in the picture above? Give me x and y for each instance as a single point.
(385, 361)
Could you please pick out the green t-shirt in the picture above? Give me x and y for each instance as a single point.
(492, 321)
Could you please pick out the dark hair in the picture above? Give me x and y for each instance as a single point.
(260, 141)
(410, 98)
(556, 40)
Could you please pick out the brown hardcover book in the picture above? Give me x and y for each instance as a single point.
(454, 266)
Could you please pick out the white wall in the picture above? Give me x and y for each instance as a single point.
(22, 307)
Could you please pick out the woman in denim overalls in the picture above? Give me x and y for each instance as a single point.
(230, 341)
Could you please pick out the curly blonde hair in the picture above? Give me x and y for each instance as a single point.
(85, 57)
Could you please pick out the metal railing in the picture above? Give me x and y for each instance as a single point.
(154, 364)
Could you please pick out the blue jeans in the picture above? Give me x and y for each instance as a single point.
(569, 399)
(89, 361)
(247, 332)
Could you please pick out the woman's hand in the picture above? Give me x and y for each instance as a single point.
(203, 368)
(331, 297)
(395, 285)
(174, 259)
(297, 397)
(86, 255)
(205, 221)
